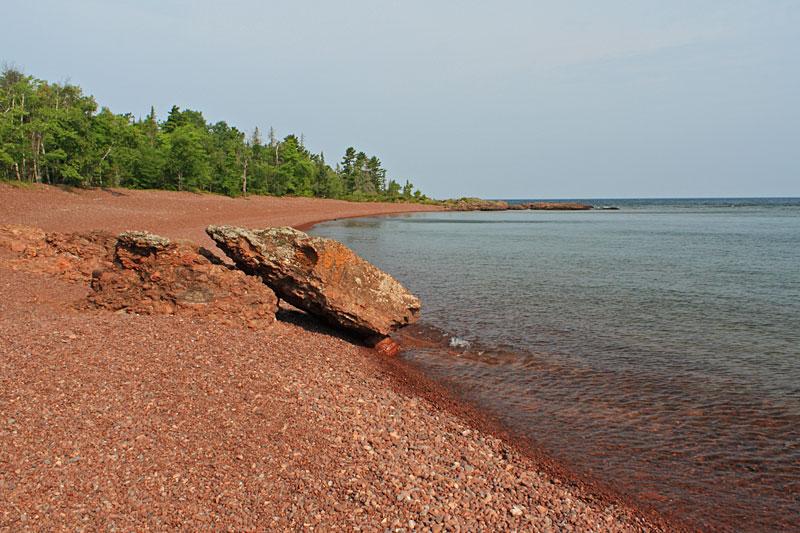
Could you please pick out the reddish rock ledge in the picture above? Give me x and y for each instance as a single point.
(69, 256)
(152, 275)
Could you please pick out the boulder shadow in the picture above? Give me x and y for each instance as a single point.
(292, 315)
(215, 259)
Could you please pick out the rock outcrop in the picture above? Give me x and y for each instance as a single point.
(478, 204)
(558, 206)
(70, 256)
(321, 276)
(475, 204)
(152, 275)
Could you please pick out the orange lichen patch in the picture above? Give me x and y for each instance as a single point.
(334, 260)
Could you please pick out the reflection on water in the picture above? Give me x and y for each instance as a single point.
(657, 347)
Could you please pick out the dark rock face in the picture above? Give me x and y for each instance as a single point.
(322, 277)
(152, 275)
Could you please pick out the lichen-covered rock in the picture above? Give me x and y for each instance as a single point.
(69, 256)
(153, 275)
(322, 277)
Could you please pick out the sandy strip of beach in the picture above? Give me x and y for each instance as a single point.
(119, 421)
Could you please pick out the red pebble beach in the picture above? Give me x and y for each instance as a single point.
(114, 421)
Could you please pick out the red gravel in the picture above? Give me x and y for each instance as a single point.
(182, 215)
(121, 421)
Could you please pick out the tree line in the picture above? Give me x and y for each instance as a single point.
(52, 133)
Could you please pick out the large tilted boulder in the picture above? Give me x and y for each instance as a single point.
(153, 275)
(322, 277)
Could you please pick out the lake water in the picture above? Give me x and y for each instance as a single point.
(656, 347)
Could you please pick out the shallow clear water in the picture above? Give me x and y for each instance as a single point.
(657, 346)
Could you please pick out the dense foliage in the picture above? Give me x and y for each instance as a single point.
(52, 133)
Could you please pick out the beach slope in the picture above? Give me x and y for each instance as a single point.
(121, 421)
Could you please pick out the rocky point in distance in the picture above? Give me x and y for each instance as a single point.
(478, 204)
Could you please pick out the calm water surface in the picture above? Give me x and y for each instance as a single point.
(657, 346)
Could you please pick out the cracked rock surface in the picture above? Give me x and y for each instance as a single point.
(321, 276)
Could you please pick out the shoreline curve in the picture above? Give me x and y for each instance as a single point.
(185, 215)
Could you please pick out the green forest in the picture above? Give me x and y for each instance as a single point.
(52, 133)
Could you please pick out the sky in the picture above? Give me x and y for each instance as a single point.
(504, 99)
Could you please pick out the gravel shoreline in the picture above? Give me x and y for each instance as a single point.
(118, 421)
(177, 215)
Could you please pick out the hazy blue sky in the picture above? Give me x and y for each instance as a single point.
(494, 99)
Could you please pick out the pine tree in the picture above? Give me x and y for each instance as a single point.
(52, 133)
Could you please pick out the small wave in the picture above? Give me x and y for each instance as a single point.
(455, 342)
